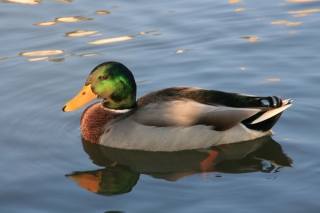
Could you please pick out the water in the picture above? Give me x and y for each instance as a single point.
(255, 47)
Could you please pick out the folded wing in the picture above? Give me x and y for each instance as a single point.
(189, 113)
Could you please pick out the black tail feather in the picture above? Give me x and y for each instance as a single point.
(263, 125)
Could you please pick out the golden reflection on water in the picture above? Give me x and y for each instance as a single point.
(240, 9)
(45, 53)
(111, 40)
(102, 12)
(300, 15)
(63, 19)
(251, 39)
(120, 38)
(79, 33)
(182, 51)
(45, 58)
(48, 23)
(24, 1)
(235, 1)
(50, 58)
(303, 12)
(42, 53)
(273, 79)
(268, 80)
(37, 59)
(242, 68)
(89, 54)
(50, 55)
(288, 23)
(72, 19)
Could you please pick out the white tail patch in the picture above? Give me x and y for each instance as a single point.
(288, 101)
(271, 113)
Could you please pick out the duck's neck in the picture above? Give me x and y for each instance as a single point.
(94, 119)
(119, 103)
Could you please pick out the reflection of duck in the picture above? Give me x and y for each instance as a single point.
(171, 119)
(124, 166)
(109, 181)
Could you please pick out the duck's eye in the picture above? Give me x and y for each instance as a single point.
(105, 77)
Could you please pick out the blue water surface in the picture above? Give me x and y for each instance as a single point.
(254, 47)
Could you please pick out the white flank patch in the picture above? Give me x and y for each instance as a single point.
(270, 113)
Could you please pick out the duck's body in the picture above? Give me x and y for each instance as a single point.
(171, 119)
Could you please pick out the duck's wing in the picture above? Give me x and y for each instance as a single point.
(189, 113)
(184, 106)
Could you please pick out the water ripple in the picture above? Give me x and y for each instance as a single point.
(288, 23)
(79, 33)
(24, 1)
(111, 40)
(66, 19)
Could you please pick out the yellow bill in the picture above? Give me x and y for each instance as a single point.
(84, 96)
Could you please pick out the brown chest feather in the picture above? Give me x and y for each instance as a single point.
(93, 119)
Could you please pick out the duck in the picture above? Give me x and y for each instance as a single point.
(170, 119)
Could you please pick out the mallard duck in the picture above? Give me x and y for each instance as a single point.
(171, 119)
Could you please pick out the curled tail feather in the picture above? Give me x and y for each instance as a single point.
(266, 119)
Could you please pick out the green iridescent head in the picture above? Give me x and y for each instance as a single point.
(111, 81)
